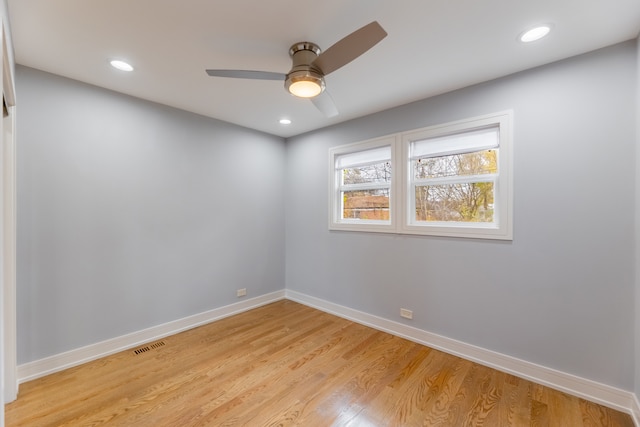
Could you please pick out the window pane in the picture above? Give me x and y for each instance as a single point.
(467, 202)
(366, 204)
(380, 172)
(478, 163)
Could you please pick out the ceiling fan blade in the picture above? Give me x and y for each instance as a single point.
(349, 48)
(247, 74)
(324, 103)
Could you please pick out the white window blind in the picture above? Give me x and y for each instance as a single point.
(478, 140)
(363, 158)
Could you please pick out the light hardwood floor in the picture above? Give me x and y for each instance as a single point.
(286, 364)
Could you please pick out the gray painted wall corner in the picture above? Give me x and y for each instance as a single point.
(134, 214)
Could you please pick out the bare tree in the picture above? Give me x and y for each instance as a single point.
(467, 202)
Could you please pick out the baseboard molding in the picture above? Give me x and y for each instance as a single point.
(58, 362)
(635, 412)
(612, 397)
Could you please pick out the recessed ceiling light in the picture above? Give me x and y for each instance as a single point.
(121, 65)
(285, 121)
(535, 33)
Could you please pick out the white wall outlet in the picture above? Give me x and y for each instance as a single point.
(408, 314)
(241, 292)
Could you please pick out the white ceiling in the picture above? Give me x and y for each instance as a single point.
(433, 46)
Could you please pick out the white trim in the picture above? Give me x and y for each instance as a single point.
(9, 253)
(8, 85)
(635, 410)
(39, 368)
(9, 203)
(603, 394)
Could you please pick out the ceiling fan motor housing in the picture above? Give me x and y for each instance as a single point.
(303, 54)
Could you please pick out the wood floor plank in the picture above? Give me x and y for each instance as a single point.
(415, 394)
(594, 415)
(285, 364)
(515, 405)
(389, 407)
(539, 414)
(563, 409)
(461, 408)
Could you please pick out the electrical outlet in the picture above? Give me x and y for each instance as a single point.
(408, 314)
(241, 292)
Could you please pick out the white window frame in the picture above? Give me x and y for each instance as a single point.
(336, 222)
(501, 227)
(402, 188)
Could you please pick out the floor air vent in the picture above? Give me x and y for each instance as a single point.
(149, 347)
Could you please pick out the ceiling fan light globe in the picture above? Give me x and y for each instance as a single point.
(305, 89)
(304, 84)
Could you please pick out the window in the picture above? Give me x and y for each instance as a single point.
(453, 180)
(361, 180)
(458, 178)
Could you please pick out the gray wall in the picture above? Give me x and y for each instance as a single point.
(132, 214)
(561, 294)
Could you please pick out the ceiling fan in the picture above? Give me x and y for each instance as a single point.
(310, 65)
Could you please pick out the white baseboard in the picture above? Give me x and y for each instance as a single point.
(635, 411)
(58, 362)
(612, 397)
